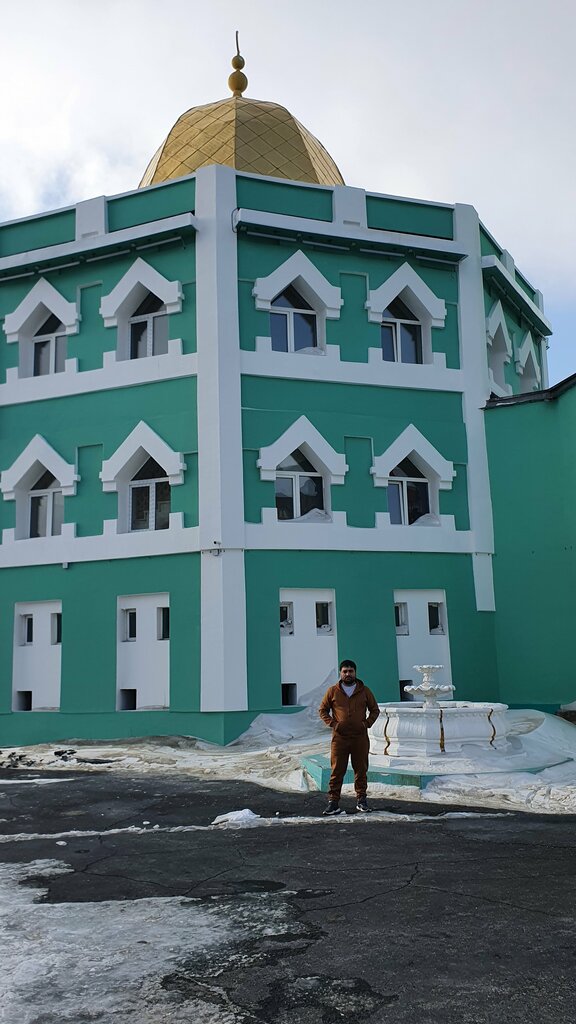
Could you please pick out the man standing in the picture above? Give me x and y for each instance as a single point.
(349, 709)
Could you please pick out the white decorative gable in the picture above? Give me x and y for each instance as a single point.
(527, 365)
(42, 300)
(411, 444)
(406, 284)
(37, 456)
(306, 278)
(304, 435)
(131, 289)
(142, 443)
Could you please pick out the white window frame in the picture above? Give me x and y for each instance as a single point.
(288, 312)
(285, 474)
(148, 319)
(56, 628)
(326, 629)
(52, 341)
(126, 619)
(161, 633)
(396, 325)
(24, 620)
(404, 481)
(439, 630)
(403, 624)
(287, 626)
(48, 493)
(151, 485)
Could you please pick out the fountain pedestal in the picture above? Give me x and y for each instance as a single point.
(431, 727)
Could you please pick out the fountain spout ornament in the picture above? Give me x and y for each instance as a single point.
(428, 690)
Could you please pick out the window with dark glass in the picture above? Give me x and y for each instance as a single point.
(164, 623)
(401, 334)
(129, 615)
(408, 494)
(299, 487)
(150, 498)
(56, 628)
(46, 507)
(49, 347)
(292, 322)
(149, 328)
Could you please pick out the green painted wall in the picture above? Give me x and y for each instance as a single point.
(291, 200)
(353, 419)
(488, 246)
(38, 232)
(101, 421)
(153, 203)
(533, 483)
(88, 283)
(356, 275)
(409, 217)
(364, 587)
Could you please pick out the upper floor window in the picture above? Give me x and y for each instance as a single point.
(148, 327)
(408, 494)
(49, 349)
(46, 507)
(150, 498)
(401, 334)
(293, 326)
(299, 487)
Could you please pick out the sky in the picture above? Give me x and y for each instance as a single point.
(453, 100)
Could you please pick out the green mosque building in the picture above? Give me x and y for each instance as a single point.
(252, 421)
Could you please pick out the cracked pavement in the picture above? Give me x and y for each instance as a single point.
(350, 920)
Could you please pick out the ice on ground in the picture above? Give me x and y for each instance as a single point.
(113, 960)
(270, 753)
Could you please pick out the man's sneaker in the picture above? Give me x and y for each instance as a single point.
(362, 805)
(332, 808)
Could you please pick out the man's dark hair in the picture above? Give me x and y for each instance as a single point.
(347, 664)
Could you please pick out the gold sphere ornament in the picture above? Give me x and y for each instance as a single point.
(237, 83)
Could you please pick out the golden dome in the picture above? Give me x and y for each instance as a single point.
(251, 135)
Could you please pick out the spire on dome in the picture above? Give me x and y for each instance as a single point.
(237, 83)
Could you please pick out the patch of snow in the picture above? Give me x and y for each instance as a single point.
(270, 753)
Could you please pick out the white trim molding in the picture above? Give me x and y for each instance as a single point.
(141, 443)
(413, 445)
(131, 289)
(499, 349)
(406, 284)
(526, 353)
(299, 271)
(42, 300)
(304, 435)
(37, 455)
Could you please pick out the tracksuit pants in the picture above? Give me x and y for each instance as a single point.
(341, 749)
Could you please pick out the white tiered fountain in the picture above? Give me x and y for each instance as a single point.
(428, 728)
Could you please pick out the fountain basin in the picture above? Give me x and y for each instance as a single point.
(418, 729)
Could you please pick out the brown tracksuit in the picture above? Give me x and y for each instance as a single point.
(349, 718)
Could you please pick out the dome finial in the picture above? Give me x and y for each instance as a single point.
(237, 83)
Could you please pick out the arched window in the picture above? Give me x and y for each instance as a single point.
(293, 326)
(299, 487)
(46, 512)
(150, 498)
(400, 334)
(148, 327)
(408, 494)
(49, 343)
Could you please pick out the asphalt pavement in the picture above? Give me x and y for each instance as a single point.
(354, 920)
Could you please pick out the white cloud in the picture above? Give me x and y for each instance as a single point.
(451, 100)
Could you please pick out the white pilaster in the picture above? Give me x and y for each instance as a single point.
(220, 476)
(472, 320)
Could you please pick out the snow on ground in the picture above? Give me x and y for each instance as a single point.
(270, 752)
(68, 962)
